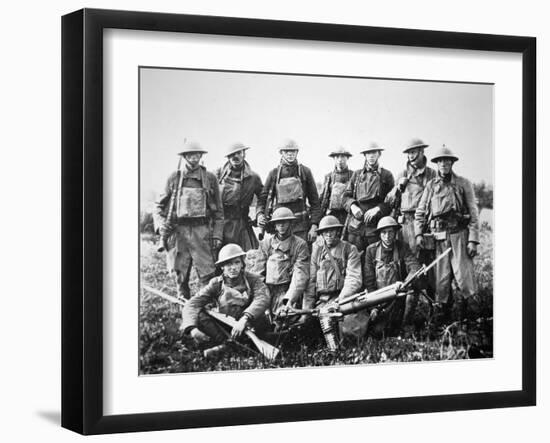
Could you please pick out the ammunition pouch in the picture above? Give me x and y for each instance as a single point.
(450, 222)
(429, 241)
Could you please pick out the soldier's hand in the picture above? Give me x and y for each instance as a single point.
(420, 242)
(261, 220)
(312, 234)
(216, 244)
(472, 249)
(239, 328)
(402, 183)
(165, 229)
(356, 212)
(371, 214)
(373, 314)
(199, 336)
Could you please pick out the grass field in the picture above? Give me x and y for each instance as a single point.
(164, 349)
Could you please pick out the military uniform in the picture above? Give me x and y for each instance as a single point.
(332, 195)
(367, 188)
(238, 188)
(246, 295)
(198, 220)
(448, 209)
(285, 264)
(291, 186)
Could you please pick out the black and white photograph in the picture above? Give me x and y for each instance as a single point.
(290, 220)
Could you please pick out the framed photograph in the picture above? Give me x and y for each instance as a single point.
(260, 216)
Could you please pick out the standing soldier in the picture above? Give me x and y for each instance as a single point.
(238, 184)
(334, 273)
(448, 210)
(190, 213)
(291, 185)
(237, 293)
(405, 196)
(389, 261)
(284, 259)
(364, 198)
(336, 182)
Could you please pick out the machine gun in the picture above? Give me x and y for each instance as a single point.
(269, 351)
(336, 310)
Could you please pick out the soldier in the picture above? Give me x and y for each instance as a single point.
(448, 210)
(196, 223)
(389, 261)
(284, 259)
(291, 185)
(364, 198)
(238, 293)
(405, 196)
(332, 195)
(239, 184)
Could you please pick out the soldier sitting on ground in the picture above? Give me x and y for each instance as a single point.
(237, 293)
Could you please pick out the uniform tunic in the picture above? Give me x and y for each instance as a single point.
(192, 241)
(448, 207)
(309, 201)
(368, 189)
(238, 188)
(332, 195)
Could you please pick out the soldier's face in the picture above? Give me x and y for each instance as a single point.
(372, 157)
(282, 227)
(414, 154)
(237, 158)
(193, 158)
(289, 156)
(233, 268)
(445, 166)
(331, 237)
(387, 236)
(340, 161)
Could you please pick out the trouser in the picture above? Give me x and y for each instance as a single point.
(192, 249)
(239, 231)
(457, 264)
(219, 332)
(362, 237)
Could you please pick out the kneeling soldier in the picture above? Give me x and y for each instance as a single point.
(448, 211)
(284, 258)
(388, 261)
(336, 182)
(237, 293)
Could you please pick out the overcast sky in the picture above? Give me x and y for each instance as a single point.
(260, 110)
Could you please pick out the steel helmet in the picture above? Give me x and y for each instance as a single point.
(289, 145)
(373, 146)
(192, 147)
(340, 151)
(413, 144)
(387, 222)
(235, 147)
(329, 222)
(444, 152)
(229, 252)
(282, 214)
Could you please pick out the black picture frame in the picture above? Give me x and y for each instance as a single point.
(82, 220)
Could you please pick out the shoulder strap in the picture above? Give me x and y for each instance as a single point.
(333, 263)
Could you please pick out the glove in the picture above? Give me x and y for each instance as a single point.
(371, 214)
(312, 234)
(239, 328)
(261, 220)
(199, 336)
(472, 249)
(357, 212)
(216, 243)
(420, 241)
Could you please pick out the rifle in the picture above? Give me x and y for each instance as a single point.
(268, 210)
(269, 351)
(170, 214)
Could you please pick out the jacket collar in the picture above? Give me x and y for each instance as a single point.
(247, 171)
(439, 179)
(413, 170)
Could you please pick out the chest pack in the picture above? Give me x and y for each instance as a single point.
(387, 273)
(191, 202)
(336, 201)
(289, 189)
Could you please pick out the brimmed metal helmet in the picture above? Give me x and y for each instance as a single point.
(340, 151)
(192, 148)
(236, 147)
(329, 222)
(373, 146)
(387, 222)
(415, 143)
(282, 214)
(289, 145)
(444, 152)
(229, 252)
